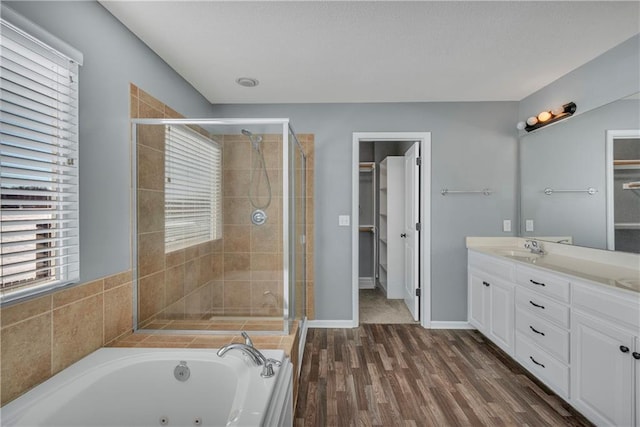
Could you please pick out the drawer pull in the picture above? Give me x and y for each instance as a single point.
(537, 283)
(535, 361)
(485, 283)
(536, 305)
(541, 333)
(624, 349)
(636, 355)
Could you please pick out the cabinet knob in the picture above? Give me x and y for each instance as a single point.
(636, 355)
(624, 349)
(485, 283)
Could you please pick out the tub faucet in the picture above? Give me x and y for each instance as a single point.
(255, 355)
(534, 247)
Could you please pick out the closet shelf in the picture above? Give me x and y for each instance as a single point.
(368, 228)
(626, 164)
(627, 225)
(634, 185)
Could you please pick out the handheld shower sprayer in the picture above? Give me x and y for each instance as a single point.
(259, 178)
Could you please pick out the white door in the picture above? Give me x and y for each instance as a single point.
(411, 234)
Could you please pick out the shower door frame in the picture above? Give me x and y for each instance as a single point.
(286, 248)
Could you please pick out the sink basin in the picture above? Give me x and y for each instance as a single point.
(517, 254)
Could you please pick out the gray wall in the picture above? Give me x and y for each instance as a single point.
(607, 78)
(113, 57)
(473, 146)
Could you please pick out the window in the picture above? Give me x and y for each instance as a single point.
(38, 165)
(193, 187)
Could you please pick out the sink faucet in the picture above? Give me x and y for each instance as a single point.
(534, 247)
(254, 355)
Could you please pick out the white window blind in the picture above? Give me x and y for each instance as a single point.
(38, 166)
(193, 188)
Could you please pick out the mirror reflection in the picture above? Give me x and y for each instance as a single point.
(580, 179)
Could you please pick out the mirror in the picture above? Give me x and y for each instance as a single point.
(568, 178)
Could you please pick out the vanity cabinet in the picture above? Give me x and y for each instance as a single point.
(606, 355)
(542, 327)
(491, 300)
(580, 337)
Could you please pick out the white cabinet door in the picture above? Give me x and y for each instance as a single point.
(602, 377)
(501, 315)
(478, 300)
(636, 360)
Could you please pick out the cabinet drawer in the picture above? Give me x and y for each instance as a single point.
(606, 302)
(491, 264)
(550, 337)
(543, 306)
(544, 366)
(543, 282)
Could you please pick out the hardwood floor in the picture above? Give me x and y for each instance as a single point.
(404, 375)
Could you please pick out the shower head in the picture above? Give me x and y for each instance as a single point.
(255, 139)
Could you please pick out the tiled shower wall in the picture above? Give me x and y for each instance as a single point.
(239, 275)
(42, 336)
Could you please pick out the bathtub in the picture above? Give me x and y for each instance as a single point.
(138, 387)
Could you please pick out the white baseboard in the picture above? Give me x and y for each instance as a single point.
(435, 324)
(366, 283)
(339, 324)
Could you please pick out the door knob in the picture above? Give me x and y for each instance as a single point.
(403, 235)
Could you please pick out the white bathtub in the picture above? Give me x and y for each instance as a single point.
(137, 387)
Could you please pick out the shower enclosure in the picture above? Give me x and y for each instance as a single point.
(219, 225)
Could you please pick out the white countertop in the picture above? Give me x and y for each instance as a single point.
(616, 269)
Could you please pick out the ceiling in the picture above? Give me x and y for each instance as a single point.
(383, 51)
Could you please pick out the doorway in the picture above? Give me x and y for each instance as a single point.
(391, 227)
(623, 190)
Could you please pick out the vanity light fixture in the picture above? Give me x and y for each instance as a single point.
(547, 117)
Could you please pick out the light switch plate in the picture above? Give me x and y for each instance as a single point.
(528, 225)
(343, 220)
(506, 225)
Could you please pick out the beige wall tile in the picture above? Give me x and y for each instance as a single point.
(133, 107)
(21, 311)
(117, 280)
(77, 331)
(266, 266)
(236, 266)
(237, 238)
(217, 266)
(118, 312)
(217, 294)
(78, 292)
(150, 100)
(174, 258)
(152, 136)
(266, 238)
(236, 210)
(150, 169)
(266, 298)
(147, 111)
(237, 153)
(191, 276)
(151, 294)
(236, 182)
(150, 211)
(174, 280)
(151, 255)
(205, 270)
(272, 151)
(133, 89)
(26, 356)
(237, 295)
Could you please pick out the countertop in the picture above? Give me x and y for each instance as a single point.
(609, 268)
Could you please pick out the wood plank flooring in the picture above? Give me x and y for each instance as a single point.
(404, 375)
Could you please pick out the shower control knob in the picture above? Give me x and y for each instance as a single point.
(258, 217)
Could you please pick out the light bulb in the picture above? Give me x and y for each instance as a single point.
(532, 120)
(558, 110)
(544, 116)
(521, 125)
